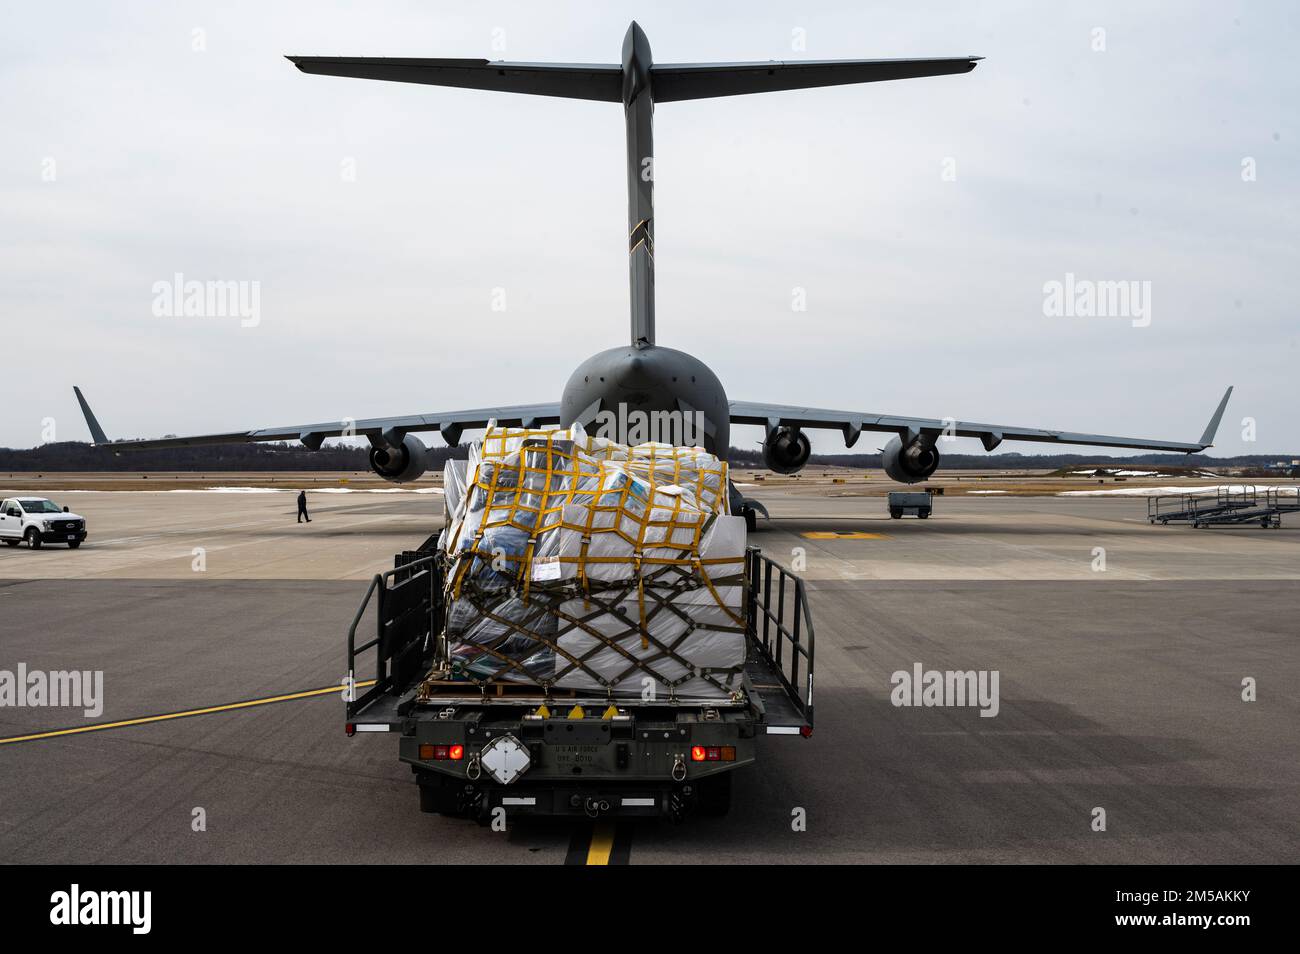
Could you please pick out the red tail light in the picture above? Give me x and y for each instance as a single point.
(713, 753)
(438, 753)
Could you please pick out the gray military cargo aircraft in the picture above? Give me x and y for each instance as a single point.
(643, 377)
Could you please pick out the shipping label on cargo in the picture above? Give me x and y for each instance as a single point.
(546, 568)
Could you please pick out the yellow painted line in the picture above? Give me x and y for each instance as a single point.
(207, 710)
(602, 843)
(843, 535)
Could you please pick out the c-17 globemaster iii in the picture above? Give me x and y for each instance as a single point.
(643, 379)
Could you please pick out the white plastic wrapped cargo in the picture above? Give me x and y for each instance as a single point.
(692, 643)
(455, 474)
(550, 523)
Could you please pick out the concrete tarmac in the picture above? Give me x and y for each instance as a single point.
(1120, 689)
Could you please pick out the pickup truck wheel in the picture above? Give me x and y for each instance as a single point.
(713, 795)
(896, 513)
(12, 543)
(74, 544)
(34, 538)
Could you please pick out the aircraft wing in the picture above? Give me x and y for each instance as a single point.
(853, 423)
(449, 423)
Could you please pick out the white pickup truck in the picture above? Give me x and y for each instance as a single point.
(39, 521)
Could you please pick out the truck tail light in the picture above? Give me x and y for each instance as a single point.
(713, 753)
(438, 753)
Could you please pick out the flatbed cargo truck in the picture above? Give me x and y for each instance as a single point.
(478, 750)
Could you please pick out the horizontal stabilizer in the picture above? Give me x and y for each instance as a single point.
(594, 81)
(681, 81)
(603, 82)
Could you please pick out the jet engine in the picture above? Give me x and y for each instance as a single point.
(401, 463)
(912, 462)
(786, 450)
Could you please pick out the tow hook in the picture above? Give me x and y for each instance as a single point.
(679, 769)
(473, 771)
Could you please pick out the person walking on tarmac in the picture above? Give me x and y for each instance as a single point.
(302, 507)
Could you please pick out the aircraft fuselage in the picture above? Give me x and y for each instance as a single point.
(640, 390)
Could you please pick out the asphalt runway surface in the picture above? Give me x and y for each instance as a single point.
(1120, 689)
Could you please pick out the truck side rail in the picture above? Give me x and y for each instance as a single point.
(786, 643)
(406, 617)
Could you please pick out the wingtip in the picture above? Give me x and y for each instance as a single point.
(1207, 439)
(97, 434)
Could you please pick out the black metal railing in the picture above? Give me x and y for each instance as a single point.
(787, 643)
(408, 612)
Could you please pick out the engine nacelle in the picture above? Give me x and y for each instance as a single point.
(400, 464)
(786, 450)
(909, 463)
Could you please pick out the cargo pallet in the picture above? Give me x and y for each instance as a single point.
(479, 748)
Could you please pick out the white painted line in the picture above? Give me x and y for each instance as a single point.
(638, 803)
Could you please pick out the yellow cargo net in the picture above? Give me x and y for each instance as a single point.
(553, 516)
(654, 497)
(650, 495)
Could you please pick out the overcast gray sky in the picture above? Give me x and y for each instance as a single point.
(129, 156)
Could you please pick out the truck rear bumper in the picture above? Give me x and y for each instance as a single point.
(591, 798)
